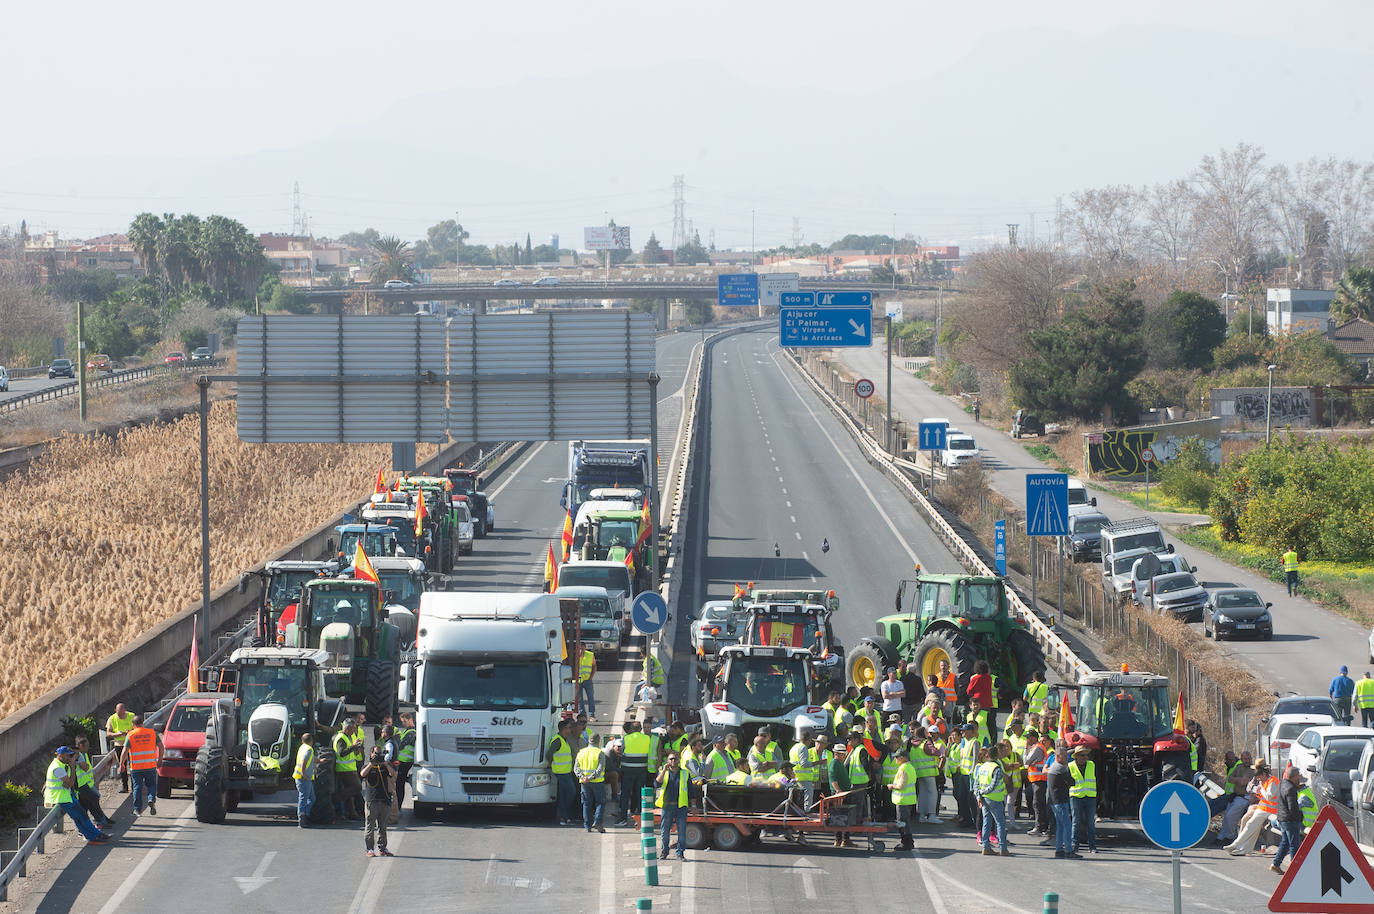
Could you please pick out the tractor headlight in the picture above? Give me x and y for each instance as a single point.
(538, 779)
(252, 750)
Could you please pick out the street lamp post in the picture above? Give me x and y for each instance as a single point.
(1269, 404)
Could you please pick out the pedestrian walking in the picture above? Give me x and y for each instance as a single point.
(117, 729)
(672, 800)
(977, 409)
(86, 793)
(586, 669)
(1290, 570)
(1057, 795)
(1342, 690)
(304, 775)
(142, 754)
(348, 786)
(376, 775)
(561, 767)
(590, 768)
(1083, 799)
(989, 785)
(1364, 698)
(59, 792)
(1290, 818)
(405, 759)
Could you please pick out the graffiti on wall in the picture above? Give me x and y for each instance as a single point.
(1116, 453)
(1286, 406)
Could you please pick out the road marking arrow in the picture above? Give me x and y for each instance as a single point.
(859, 328)
(257, 880)
(808, 872)
(1173, 808)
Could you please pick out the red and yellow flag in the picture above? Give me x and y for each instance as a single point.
(193, 673)
(1065, 714)
(380, 485)
(362, 566)
(644, 519)
(551, 570)
(1180, 726)
(420, 513)
(567, 535)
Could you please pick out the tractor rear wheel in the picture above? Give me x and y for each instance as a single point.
(209, 784)
(232, 797)
(381, 690)
(1027, 657)
(945, 644)
(866, 663)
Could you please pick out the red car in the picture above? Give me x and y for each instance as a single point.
(174, 358)
(183, 737)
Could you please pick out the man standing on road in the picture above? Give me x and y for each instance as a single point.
(561, 767)
(142, 754)
(893, 692)
(961, 762)
(904, 796)
(58, 792)
(586, 669)
(1083, 798)
(305, 779)
(1341, 691)
(1057, 794)
(672, 799)
(1364, 699)
(948, 684)
(405, 758)
(1290, 818)
(989, 786)
(376, 774)
(590, 768)
(348, 751)
(634, 770)
(116, 731)
(1290, 570)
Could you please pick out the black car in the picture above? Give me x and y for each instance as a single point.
(1023, 424)
(61, 368)
(1233, 611)
(1304, 704)
(1331, 780)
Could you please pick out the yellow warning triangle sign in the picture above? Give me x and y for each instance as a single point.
(1328, 874)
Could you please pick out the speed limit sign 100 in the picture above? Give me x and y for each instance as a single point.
(863, 388)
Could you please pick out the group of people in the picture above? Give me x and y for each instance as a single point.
(1252, 798)
(70, 783)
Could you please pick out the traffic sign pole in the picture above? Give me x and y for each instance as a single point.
(1174, 815)
(1178, 882)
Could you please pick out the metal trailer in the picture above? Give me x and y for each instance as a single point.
(731, 817)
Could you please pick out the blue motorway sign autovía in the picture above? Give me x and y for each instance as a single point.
(1047, 504)
(999, 549)
(801, 323)
(737, 290)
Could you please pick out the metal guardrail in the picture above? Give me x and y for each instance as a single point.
(1051, 643)
(95, 383)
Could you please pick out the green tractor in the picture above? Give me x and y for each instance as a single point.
(343, 616)
(954, 617)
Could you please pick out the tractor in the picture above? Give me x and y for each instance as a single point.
(343, 617)
(250, 747)
(438, 540)
(376, 540)
(953, 617)
(803, 623)
(281, 591)
(468, 482)
(755, 685)
(1126, 719)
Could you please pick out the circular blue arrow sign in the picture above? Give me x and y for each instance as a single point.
(1174, 815)
(648, 613)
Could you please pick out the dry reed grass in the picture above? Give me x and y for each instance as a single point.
(102, 537)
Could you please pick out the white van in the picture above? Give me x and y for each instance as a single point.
(1079, 500)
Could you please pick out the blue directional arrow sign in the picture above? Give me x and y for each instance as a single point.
(802, 324)
(1047, 504)
(930, 436)
(648, 613)
(1174, 815)
(737, 290)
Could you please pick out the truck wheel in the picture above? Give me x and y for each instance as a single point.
(944, 644)
(866, 663)
(1026, 657)
(208, 791)
(381, 690)
(696, 835)
(322, 813)
(726, 838)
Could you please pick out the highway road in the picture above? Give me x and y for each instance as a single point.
(1310, 642)
(770, 444)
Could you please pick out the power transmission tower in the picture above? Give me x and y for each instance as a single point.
(1011, 233)
(796, 232)
(297, 228)
(679, 208)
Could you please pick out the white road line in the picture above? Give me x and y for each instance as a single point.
(793, 516)
(374, 879)
(853, 472)
(516, 473)
(131, 881)
(789, 504)
(806, 556)
(1236, 882)
(609, 842)
(927, 871)
(784, 491)
(797, 535)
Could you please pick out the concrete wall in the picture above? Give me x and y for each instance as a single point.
(1116, 453)
(1243, 407)
(36, 726)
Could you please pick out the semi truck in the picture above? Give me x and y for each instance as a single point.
(603, 465)
(489, 680)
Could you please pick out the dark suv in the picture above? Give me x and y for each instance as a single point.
(61, 368)
(1023, 424)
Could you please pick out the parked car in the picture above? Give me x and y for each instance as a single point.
(61, 368)
(1084, 542)
(202, 354)
(1178, 593)
(397, 284)
(1363, 796)
(1023, 424)
(506, 282)
(184, 735)
(1163, 564)
(174, 358)
(546, 281)
(1233, 611)
(1307, 748)
(1282, 730)
(99, 362)
(718, 625)
(1331, 781)
(1079, 500)
(1317, 705)
(4, 380)
(1116, 571)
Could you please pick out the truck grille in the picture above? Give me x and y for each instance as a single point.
(475, 744)
(482, 781)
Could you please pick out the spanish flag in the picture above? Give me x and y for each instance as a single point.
(567, 535)
(380, 485)
(1065, 713)
(1180, 726)
(644, 519)
(420, 513)
(362, 566)
(193, 673)
(551, 570)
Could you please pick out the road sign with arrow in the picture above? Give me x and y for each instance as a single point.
(1328, 873)
(648, 612)
(803, 322)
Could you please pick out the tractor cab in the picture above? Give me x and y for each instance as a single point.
(397, 516)
(342, 617)
(762, 684)
(805, 625)
(281, 591)
(825, 598)
(375, 540)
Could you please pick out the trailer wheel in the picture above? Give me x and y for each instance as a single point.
(726, 838)
(696, 835)
(209, 785)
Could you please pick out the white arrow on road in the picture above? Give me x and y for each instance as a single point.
(858, 327)
(1173, 808)
(257, 880)
(808, 872)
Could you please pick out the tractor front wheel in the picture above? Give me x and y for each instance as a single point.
(866, 663)
(209, 795)
(1027, 658)
(945, 644)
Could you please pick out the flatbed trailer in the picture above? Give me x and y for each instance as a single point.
(732, 816)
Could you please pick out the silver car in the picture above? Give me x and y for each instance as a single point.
(1178, 593)
(716, 626)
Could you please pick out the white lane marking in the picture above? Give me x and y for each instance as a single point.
(779, 479)
(853, 472)
(1211, 872)
(784, 491)
(138, 872)
(608, 845)
(515, 474)
(797, 535)
(789, 504)
(806, 556)
(927, 870)
(374, 879)
(793, 516)
(937, 901)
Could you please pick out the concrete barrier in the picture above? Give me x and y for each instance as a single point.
(34, 727)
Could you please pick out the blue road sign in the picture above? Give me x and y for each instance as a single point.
(844, 299)
(1047, 504)
(737, 290)
(796, 299)
(1174, 815)
(930, 436)
(822, 327)
(999, 545)
(648, 613)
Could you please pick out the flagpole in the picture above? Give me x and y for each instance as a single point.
(204, 385)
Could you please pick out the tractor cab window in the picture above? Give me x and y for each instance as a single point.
(284, 588)
(1123, 712)
(766, 686)
(984, 600)
(326, 607)
(405, 588)
(260, 685)
(935, 598)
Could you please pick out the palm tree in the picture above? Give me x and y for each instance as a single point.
(395, 260)
(1354, 295)
(144, 232)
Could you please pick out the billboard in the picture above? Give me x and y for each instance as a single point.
(607, 238)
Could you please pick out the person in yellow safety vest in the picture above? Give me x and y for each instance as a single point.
(142, 754)
(820, 757)
(653, 671)
(1011, 774)
(561, 767)
(1083, 799)
(856, 766)
(783, 778)
(803, 761)
(989, 786)
(304, 776)
(965, 756)
(590, 768)
(1290, 570)
(405, 756)
(732, 749)
(834, 706)
(586, 669)
(1308, 801)
(1364, 698)
(1258, 814)
(740, 777)
(59, 792)
(718, 764)
(86, 794)
(1015, 743)
(925, 759)
(903, 795)
(869, 710)
(116, 731)
(634, 770)
(932, 715)
(769, 751)
(978, 715)
(1036, 693)
(348, 786)
(672, 798)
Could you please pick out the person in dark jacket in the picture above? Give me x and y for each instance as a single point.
(1290, 818)
(1057, 792)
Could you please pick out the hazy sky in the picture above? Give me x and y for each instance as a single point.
(545, 117)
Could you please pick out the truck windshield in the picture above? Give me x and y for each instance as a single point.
(1124, 712)
(576, 574)
(766, 686)
(462, 485)
(285, 685)
(285, 587)
(404, 588)
(984, 600)
(484, 686)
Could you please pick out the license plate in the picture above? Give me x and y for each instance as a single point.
(486, 798)
(1245, 625)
